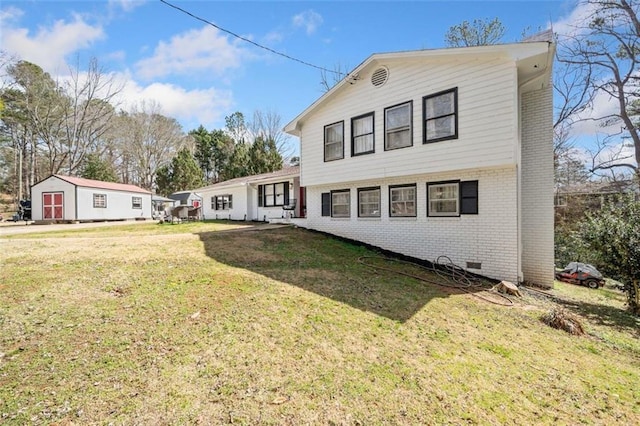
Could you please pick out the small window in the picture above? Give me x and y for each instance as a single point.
(442, 199)
(402, 201)
(222, 202)
(362, 139)
(440, 112)
(369, 202)
(398, 126)
(334, 141)
(136, 202)
(100, 201)
(341, 203)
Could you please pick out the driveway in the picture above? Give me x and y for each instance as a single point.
(13, 228)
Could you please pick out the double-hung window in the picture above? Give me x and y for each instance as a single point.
(273, 194)
(398, 126)
(369, 202)
(440, 113)
(100, 201)
(402, 201)
(341, 203)
(452, 198)
(136, 202)
(222, 202)
(334, 141)
(362, 139)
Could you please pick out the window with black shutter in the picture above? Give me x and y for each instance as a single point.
(469, 197)
(214, 203)
(260, 195)
(326, 204)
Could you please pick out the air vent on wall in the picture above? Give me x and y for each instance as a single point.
(380, 76)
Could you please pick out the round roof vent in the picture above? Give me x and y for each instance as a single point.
(380, 76)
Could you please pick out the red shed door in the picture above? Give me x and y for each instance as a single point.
(52, 205)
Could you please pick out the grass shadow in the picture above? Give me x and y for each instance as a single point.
(325, 266)
(604, 315)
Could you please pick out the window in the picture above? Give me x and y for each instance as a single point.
(397, 126)
(273, 194)
(362, 140)
(341, 203)
(136, 202)
(222, 202)
(100, 201)
(452, 198)
(369, 202)
(402, 201)
(440, 113)
(334, 141)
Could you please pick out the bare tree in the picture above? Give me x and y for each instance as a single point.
(480, 32)
(330, 78)
(268, 125)
(604, 49)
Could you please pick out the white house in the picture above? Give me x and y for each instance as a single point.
(186, 204)
(439, 152)
(263, 197)
(68, 199)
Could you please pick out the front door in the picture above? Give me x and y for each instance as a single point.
(52, 205)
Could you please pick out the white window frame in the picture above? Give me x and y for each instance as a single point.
(368, 135)
(430, 116)
(331, 143)
(375, 212)
(403, 199)
(136, 202)
(99, 201)
(435, 199)
(336, 196)
(408, 128)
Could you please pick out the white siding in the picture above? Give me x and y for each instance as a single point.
(537, 188)
(487, 117)
(239, 203)
(119, 205)
(53, 184)
(490, 237)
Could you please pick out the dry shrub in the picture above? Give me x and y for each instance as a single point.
(563, 320)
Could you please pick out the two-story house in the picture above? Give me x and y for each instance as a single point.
(439, 152)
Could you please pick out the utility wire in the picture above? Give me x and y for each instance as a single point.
(249, 41)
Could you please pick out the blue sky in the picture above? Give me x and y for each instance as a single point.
(199, 75)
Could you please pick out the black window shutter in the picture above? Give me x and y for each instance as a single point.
(230, 201)
(260, 196)
(469, 197)
(326, 204)
(286, 193)
(215, 203)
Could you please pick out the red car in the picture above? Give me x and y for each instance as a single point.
(581, 274)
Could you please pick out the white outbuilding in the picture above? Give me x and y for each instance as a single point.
(72, 199)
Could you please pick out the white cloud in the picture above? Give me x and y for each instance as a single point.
(204, 50)
(191, 107)
(572, 22)
(310, 20)
(48, 47)
(126, 5)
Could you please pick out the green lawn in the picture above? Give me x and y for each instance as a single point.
(202, 324)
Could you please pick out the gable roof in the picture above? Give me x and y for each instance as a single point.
(533, 58)
(285, 172)
(98, 184)
(183, 196)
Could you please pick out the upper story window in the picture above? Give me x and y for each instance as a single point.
(402, 201)
(398, 126)
(100, 200)
(341, 203)
(362, 139)
(369, 202)
(136, 202)
(334, 141)
(440, 113)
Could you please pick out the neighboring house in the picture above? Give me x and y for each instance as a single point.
(161, 206)
(263, 197)
(439, 152)
(187, 204)
(69, 199)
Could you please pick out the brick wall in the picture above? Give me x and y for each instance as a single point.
(490, 237)
(537, 187)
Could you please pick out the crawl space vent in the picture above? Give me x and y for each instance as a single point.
(380, 76)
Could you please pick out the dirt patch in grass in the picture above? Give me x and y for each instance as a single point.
(285, 327)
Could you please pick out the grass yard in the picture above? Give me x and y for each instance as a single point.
(200, 323)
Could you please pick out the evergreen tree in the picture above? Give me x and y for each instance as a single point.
(181, 174)
(96, 168)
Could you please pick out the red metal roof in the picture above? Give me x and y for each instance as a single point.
(90, 183)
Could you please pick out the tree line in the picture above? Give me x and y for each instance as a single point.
(74, 126)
